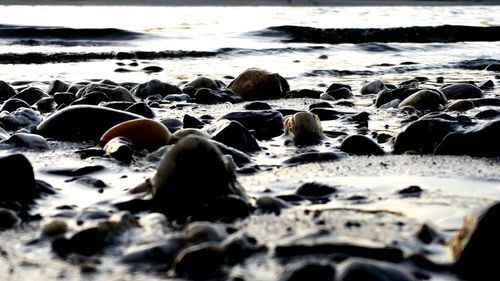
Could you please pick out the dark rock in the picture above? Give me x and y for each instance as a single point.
(200, 262)
(87, 242)
(254, 121)
(258, 105)
(238, 247)
(120, 148)
(240, 159)
(322, 271)
(427, 234)
(112, 91)
(120, 105)
(383, 138)
(326, 114)
(487, 114)
(176, 97)
(172, 124)
(361, 117)
(481, 141)
(270, 205)
(82, 122)
(315, 190)
(64, 98)
(76, 172)
(45, 105)
(177, 193)
(233, 134)
(412, 190)
(152, 69)
(225, 209)
(474, 244)
(411, 83)
(287, 111)
(158, 253)
(462, 91)
(192, 122)
(155, 87)
(336, 86)
(257, 84)
(322, 104)
(6, 91)
(360, 145)
(460, 105)
(25, 140)
(8, 219)
(361, 269)
(486, 102)
(56, 86)
(345, 103)
(313, 157)
(142, 109)
(424, 100)
(341, 93)
(92, 98)
(423, 136)
(20, 118)
(31, 95)
(386, 96)
(487, 85)
(74, 88)
(303, 93)
(13, 104)
(493, 67)
(373, 87)
(208, 96)
(202, 82)
(378, 253)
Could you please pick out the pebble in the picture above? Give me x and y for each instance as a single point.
(208, 96)
(240, 246)
(57, 86)
(373, 87)
(412, 190)
(155, 87)
(360, 145)
(462, 91)
(161, 253)
(8, 219)
(270, 205)
(64, 98)
(314, 190)
(202, 82)
(460, 105)
(233, 134)
(389, 95)
(341, 93)
(143, 133)
(18, 179)
(29, 141)
(120, 148)
(337, 86)
(142, 109)
(12, 104)
(258, 84)
(257, 105)
(55, 228)
(253, 120)
(31, 95)
(201, 232)
(424, 100)
(201, 261)
(110, 90)
(6, 91)
(312, 157)
(305, 127)
(326, 114)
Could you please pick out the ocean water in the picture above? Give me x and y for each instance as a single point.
(80, 42)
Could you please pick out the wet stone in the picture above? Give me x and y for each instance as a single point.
(427, 235)
(253, 120)
(258, 84)
(45, 105)
(31, 95)
(337, 86)
(8, 219)
(411, 191)
(424, 99)
(303, 93)
(25, 140)
(313, 157)
(315, 190)
(203, 82)
(13, 104)
(192, 122)
(208, 96)
(111, 91)
(360, 145)
(56, 86)
(373, 87)
(257, 105)
(6, 91)
(388, 95)
(152, 69)
(323, 104)
(155, 87)
(342, 93)
(304, 270)
(460, 105)
(142, 109)
(487, 114)
(462, 91)
(305, 127)
(200, 262)
(161, 253)
(233, 134)
(270, 205)
(225, 209)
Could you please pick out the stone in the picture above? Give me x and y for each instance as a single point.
(360, 145)
(177, 193)
(21, 118)
(337, 86)
(82, 122)
(8, 219)
(55, 228)
(202, 82)
(6, 91)
(182, 133)
(64, 98)
(92, 98)
(208, 96)
(25, 140)
(155, 87)
(201, 232)
(258, 84)
(305, 127)
(304, 270)
(341, 93)
(326, 114)
(13, 104)
(240, 246)
(120, 148)
(18, 179)
(143, 133)
(425, 100)
(142, 109)
(315, 190)
(56, 86)
(389, 95)
(423, 136)
(356, 269)
(302, 93)
(112, 91)
(201, 261)
(31, 95)
(225, 209)
(313, 157)
(462, 91)
(493, 67)
(45, 105)
(161, 253)
(373, 87)
(322, 104)
(189, 121)
(263, 124)
(475, 243)
(460, 105)
(481, 140)
(487, 114)
(257, 105)
(233, 134)
(269, 204)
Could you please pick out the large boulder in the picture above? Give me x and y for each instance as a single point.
(258, 84)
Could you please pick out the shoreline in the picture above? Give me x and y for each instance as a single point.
(235, 3)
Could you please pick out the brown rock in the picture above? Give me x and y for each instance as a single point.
(144, 133)
(258, 84)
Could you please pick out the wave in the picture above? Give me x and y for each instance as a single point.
(65, 33)
(414, 34)
(61, 57)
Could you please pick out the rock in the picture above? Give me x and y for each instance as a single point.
(487, 85)
(120, 148)
(161, 253)
(305, 128)
(142, 109)
(202, 82)
(493, 67)
(423, 136)
(82, 122)
(233, 134)
(314, 190)
(31, 95)
(55, 228)
(258, 105)
(326, 96)
(20, 118)
(486, 102)
(412, 190)
(92, 98)
(373, 87)
(200, 232)
(337, 86)
(200, 261)
(268, 204)
(424, 100)
(8, 219)
(13, 104)
(192, 122)
(208, 96)
(363, 269)
(6, 91)
(56, 86)
(487, 114)
(45, 105)
(177, 193)
(18, 180)
(460, 105)
(322, 104)
(143, 133)
(302, 93)
(25, 140)
(172, 124)
(240, 246)
(241, 159)
(360, 145)
(64, 98)
(462, 91)
(313, 157)
(182, 133)
(176, 97)
(341, 93)
(427, 235)
(304, 270)
(388, 95)
(111, 91)
(480, 141)
(152, 69)
(254, 121)
(474, 243)
(257, 84)
(155, 87)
